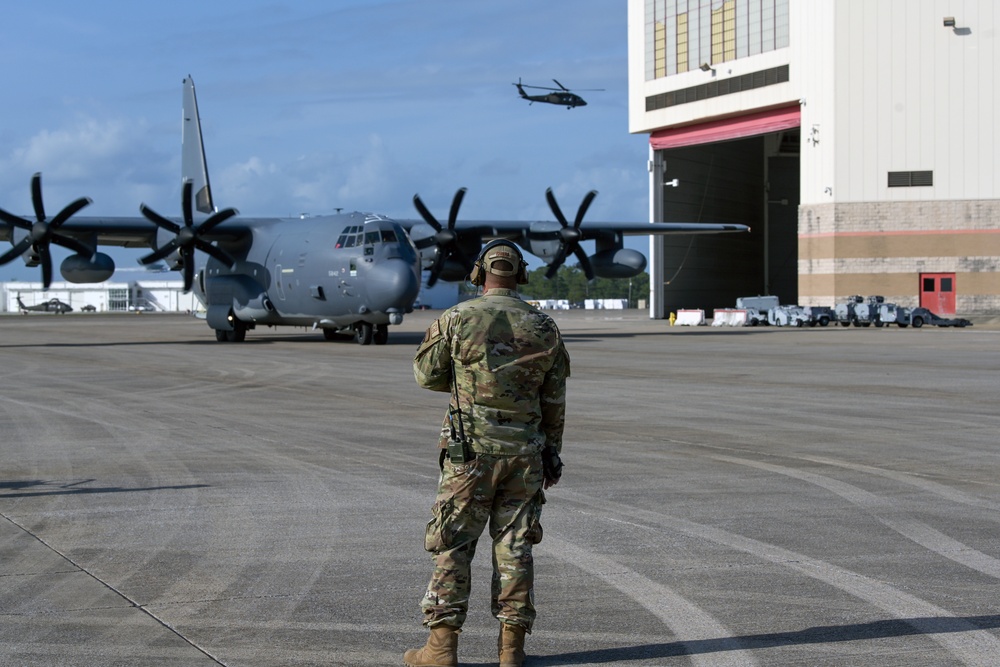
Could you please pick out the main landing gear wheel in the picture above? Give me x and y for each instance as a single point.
(364, 332)
(381, 336)
(237, 335)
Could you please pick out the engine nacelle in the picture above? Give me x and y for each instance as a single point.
(79, 269)
(618, 263)
(242, 295)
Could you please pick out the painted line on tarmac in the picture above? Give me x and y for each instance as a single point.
(972, 645)
(880, 508)
(687, 620)
(936, 488)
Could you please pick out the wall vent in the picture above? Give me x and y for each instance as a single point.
(910, 179)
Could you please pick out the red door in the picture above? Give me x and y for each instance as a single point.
(937, 292)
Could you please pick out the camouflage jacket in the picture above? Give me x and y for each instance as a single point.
(510, 367)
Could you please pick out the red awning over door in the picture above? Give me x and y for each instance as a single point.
(762, 122)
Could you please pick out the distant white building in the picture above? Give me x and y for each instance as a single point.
(605, 304)
(133, 296)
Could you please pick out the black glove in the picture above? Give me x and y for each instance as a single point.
(552, 465)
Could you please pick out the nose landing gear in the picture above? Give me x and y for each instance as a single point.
(367, 333)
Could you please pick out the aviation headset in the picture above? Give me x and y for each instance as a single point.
(516, 259)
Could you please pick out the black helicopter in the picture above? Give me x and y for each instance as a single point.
(562, 95)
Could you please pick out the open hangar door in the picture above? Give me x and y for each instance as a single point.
(753, 181)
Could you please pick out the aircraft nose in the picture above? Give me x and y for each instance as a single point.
(392, 283)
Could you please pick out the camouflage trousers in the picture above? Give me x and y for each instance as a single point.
(505, 493)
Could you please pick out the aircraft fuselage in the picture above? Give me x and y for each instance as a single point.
(331, 272)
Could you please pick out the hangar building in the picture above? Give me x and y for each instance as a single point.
(134, 296)
(858, 139)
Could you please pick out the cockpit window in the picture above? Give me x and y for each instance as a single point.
(350, 237)
(379, 235)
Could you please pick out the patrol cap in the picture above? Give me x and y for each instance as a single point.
(502, 259)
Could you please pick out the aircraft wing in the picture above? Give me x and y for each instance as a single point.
(85, 235)
(127, 232)
(512, 229)
(448, 250)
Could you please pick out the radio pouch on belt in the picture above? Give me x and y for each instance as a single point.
(458, 445)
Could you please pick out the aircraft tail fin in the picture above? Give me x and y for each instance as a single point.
(520, 88)
(194, 167)
(21, 303)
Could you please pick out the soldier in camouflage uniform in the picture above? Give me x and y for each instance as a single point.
(504, 363)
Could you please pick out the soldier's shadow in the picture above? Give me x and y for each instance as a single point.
(816, 635)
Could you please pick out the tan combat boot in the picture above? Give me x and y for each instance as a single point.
(441, 649)
(510, 645)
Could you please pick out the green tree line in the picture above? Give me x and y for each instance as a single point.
(571, 284)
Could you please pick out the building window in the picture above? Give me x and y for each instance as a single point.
(118, 299)
(911, 179)
(683, 34)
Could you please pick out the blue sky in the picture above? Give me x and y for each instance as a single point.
(309, 106)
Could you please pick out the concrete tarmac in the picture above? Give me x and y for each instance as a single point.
(731, 497)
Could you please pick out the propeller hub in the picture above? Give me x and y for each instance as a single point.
(185, 236)
(570, 234)
(39, 231)
(445, 237)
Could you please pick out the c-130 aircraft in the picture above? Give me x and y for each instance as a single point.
(353, 272)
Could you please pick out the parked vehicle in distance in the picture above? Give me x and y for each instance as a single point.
(757, 308)
(821, 315)
(788, 316)
(921, 316)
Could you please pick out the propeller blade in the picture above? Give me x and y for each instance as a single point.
(46, 260)
(570, 235)
(43, 233)
(456, 202)
(216, 252)
(160, 253)
(187, 237)
(73, 244)
(158, 219)
(588, 270)
(69, 210)
(188, 272)
(36, 196)
(584, 205)
(553, 269)
(425, 213)
(436, 270)
(15, 220)
(16, 251)
(446, 238)
(554, 206)
(216, 220)
(186, 203)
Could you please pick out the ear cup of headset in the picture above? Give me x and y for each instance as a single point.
(478, 275)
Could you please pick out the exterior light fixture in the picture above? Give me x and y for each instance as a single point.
(705, 67)
(949, 21)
